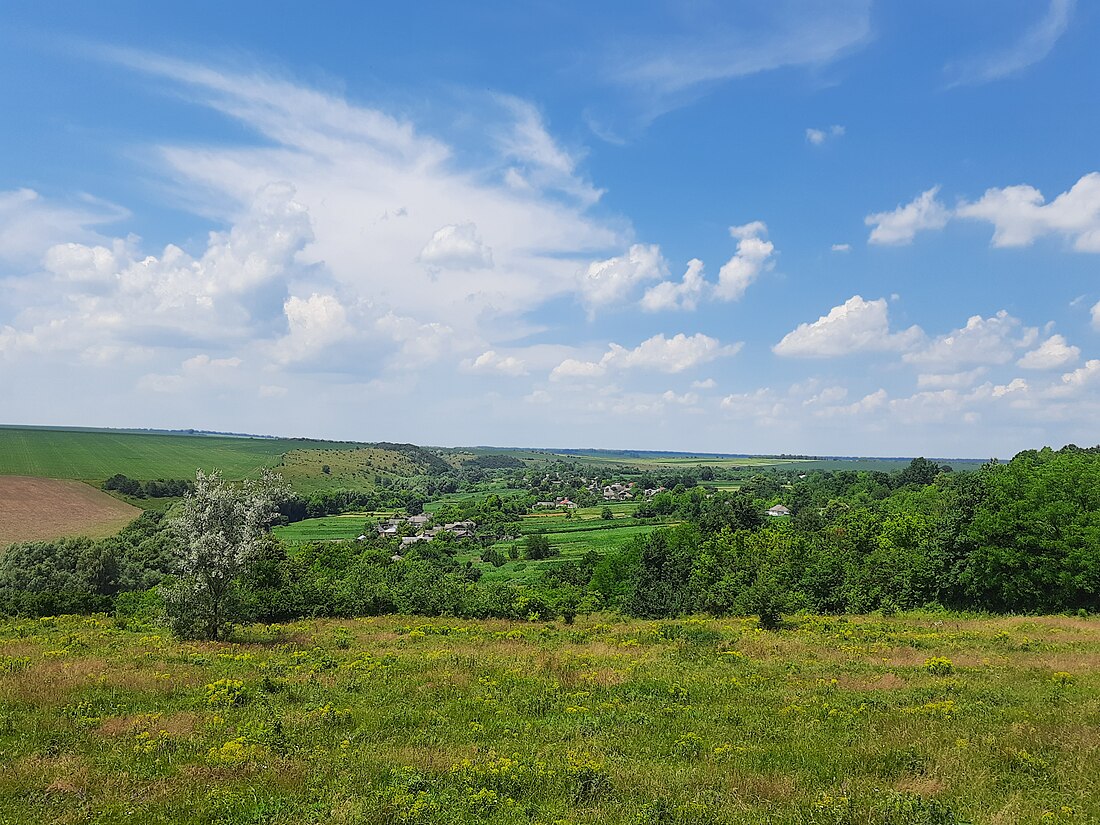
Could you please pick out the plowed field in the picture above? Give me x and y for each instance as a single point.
(47, 508)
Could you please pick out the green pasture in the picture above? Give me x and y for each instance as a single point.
(915, 719)
(325, 528)
(95, 456)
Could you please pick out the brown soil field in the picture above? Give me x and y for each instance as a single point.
(48, 508)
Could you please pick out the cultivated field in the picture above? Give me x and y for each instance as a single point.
(325, 528)
(44, 508)
(907, 720)
(99, 455)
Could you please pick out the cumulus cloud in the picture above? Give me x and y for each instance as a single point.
(753, 256)
(1096, 316)
(1082, 376)
(841, 247)
(29, 223)
(1020, 214)
(1052, 353)
(302, 265)
(817, 137)
(854, 326)
(97, 296)
(420, 343)
(610, 281)
(490, 362)
(705, 384)
(313, 324)
(993, 340)
(660, 354)
(684, 295)
(868, 403)
(902, 224)
(687, 399)
(457, 246)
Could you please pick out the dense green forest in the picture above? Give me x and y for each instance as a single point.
(1021, 536)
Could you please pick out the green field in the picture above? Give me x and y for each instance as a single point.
(95, 456)
(325, 528)
(920, 719)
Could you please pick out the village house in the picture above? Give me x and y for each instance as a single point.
(777, 511)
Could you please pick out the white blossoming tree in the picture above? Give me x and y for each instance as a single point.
(217, 528)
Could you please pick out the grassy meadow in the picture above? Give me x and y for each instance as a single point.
(95, 456)
(911, 719)
(326, 528)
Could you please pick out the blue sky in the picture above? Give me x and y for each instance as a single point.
(847, 228)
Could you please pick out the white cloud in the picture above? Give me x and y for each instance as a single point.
(313, 324)
(1020, 215)
(951, 380)
(762, 406)
(854, 326)
(29, 223)
(841, 247)
(1035, 45)
(1096, 315)
(828, 395)
(819, 136)
(668, 295)
(1082, 376)
(194, 372)
(752, 257)
(687, 399)
(610, 281)
(705, 384)
(575, 368)
(1052, 353)
(421, 343)
(660, 354)
(339, 218)
(95, 296)
(490, 362)
(992, 340)
(542, 163)
(903, 223)
(869, 403)
(457, 246)
(693, 51)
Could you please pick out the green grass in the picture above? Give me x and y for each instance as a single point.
(326, 528)
(95, 456)
(413, 721)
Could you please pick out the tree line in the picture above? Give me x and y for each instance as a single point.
(1021, 536)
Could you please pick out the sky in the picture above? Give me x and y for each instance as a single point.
(845, 228)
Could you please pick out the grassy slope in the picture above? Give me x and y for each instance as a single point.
(410, 720)
(94, 456)
(349, 469)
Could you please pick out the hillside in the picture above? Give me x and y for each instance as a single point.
(358, 468)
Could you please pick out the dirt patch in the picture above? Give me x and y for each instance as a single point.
(33, 509)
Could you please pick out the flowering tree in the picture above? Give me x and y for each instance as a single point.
(217, 530)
